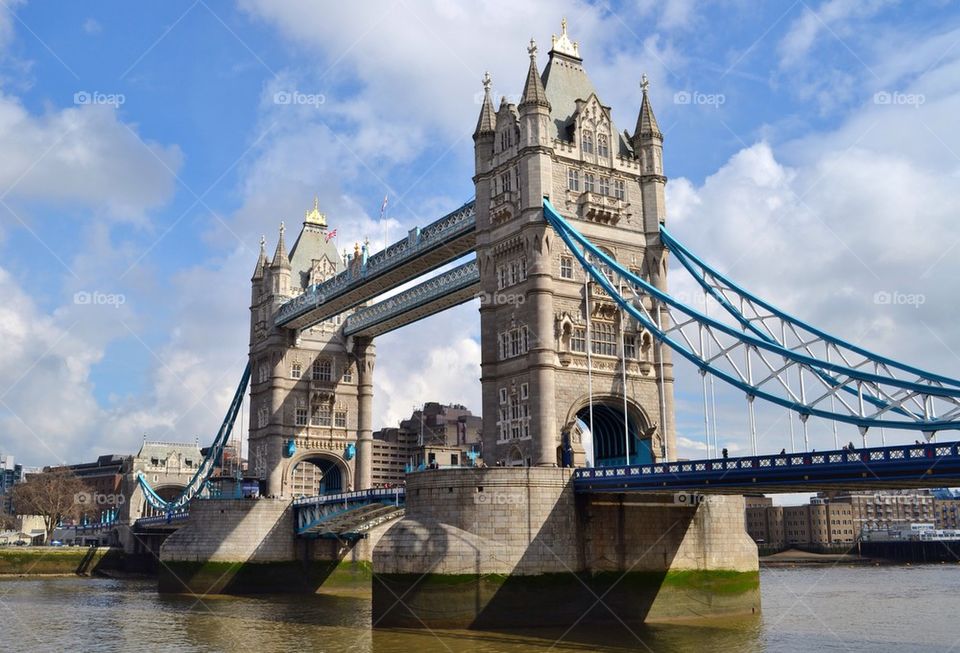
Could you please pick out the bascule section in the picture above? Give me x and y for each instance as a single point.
(568, 378)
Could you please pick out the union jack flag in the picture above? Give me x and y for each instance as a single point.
(331, 234)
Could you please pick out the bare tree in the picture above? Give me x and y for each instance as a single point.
(7, 521)
(55, 495)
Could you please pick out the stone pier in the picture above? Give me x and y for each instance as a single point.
(505, 547)
(248, 546)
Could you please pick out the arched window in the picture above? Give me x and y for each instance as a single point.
(322, 370)
(603, 147)
(587, 142)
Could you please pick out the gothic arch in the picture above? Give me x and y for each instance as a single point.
(323, 459)
(608, 425)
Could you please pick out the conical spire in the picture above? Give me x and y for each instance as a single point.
(647, 126)
(280, 259)
(533, 93)
(487, 123)
(261, 260)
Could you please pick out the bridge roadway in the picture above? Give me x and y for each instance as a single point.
(423, 250)
(896, 467)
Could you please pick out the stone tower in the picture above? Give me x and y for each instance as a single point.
(310, 390)
(560, 142)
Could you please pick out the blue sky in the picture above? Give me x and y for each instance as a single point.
(146, 153)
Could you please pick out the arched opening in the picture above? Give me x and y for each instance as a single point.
(312, 476)
(167, 493)
(609, 438)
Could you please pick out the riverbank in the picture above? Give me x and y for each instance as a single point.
(795, 557)
(69, 561)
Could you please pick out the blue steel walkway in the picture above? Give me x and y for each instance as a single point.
(895, 467)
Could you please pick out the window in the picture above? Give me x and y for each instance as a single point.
(340, 419)
(514, 421)
(263, 414)
(573, 179)
(301, 416)
(603, 148)
(514, 342)
(348, 374)
(629, 346)
(505, 181)
(588, 182)
(503, 395)
(516, 177)
(619, 191)
(604, 185)
(322, 370)
(604, 338)
(578, 340)
(296, 371)
(524, 391)
(511, 272)
(566, 267)
(263, 373)
(587, 141)
(320, 415)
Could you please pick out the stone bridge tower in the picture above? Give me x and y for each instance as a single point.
(560, 142)
(311, 391)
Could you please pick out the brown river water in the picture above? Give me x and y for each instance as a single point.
(805, 609)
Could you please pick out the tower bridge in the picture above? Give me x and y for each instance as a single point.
(578, 329)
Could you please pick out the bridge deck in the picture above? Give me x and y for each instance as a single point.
(895, 467)
(437, 244)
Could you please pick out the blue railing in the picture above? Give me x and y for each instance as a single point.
(180, 515)
(911, 464)
(375, 494)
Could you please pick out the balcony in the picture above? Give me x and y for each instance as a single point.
(602, 209)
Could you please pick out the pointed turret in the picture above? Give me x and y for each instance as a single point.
(647, 126)
(280, 260)
(487, 122)
(261, 260)
(533, 92)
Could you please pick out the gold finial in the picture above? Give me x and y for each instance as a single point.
(563, 44)
(313, 216)
(644, 82)
(356, 250)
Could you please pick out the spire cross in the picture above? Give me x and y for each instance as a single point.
(532, 49)
(644, 82)
(282, 228)
(487, 81)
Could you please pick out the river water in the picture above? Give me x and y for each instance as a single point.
(820, 608)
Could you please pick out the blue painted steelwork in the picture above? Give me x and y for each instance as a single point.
(201, 478)
(310, 513)
(901, 466)
(887, 394)
(447, 229)
(179, 515)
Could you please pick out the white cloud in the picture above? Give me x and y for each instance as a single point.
(83, 156)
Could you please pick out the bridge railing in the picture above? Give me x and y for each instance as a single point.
(162, 519)
(374, 494)
(452, 225)
(814, 459)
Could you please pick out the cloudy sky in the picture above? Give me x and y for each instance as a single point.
(812, 150)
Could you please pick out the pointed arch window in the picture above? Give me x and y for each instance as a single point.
(603, 146)
(322, 370)
(587, 142)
